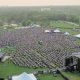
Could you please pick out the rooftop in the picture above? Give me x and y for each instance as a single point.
(76, 54)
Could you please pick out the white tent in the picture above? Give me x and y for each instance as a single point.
(76, 54)
(78, 36)
(24, 76)
(57, 30)
(66, 33)
(47, 31)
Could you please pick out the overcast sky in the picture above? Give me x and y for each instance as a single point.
(38, 2)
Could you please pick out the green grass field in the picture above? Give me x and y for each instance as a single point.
(65, 26)
(72, 76)
(8, 68)
(50, 77)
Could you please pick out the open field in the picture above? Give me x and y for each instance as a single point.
(50, 77)
(8, 68)
(65, 26)
(72, 75)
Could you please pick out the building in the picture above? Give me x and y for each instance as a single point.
(73, 62)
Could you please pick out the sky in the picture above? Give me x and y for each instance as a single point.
(38, 2)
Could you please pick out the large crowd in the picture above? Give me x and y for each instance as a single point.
(35, 48)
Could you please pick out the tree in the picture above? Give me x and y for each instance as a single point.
(27, 23)
(1, 23)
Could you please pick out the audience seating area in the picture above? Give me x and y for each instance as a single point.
(35, 48)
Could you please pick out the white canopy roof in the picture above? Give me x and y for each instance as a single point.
(57, 30)
(47, 31)
(76, 54)
(66, 33)
(78, 36)
(24, 76)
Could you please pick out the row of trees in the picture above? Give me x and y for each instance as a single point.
(27, 17)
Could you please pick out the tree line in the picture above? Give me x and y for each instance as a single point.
(26, 15)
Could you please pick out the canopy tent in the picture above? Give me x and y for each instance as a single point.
(47, 31)
(78, 35)
(66, 33)
(24, 76)
(76, 55)
(57, 30)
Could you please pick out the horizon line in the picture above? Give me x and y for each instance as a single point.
(34, 5)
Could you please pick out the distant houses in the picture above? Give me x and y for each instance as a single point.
(45, 9)
(30, 26)
(10, 26)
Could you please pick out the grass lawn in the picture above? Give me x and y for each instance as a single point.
(8, 68)
(72, 76)
(49, 77)
(65, 26)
